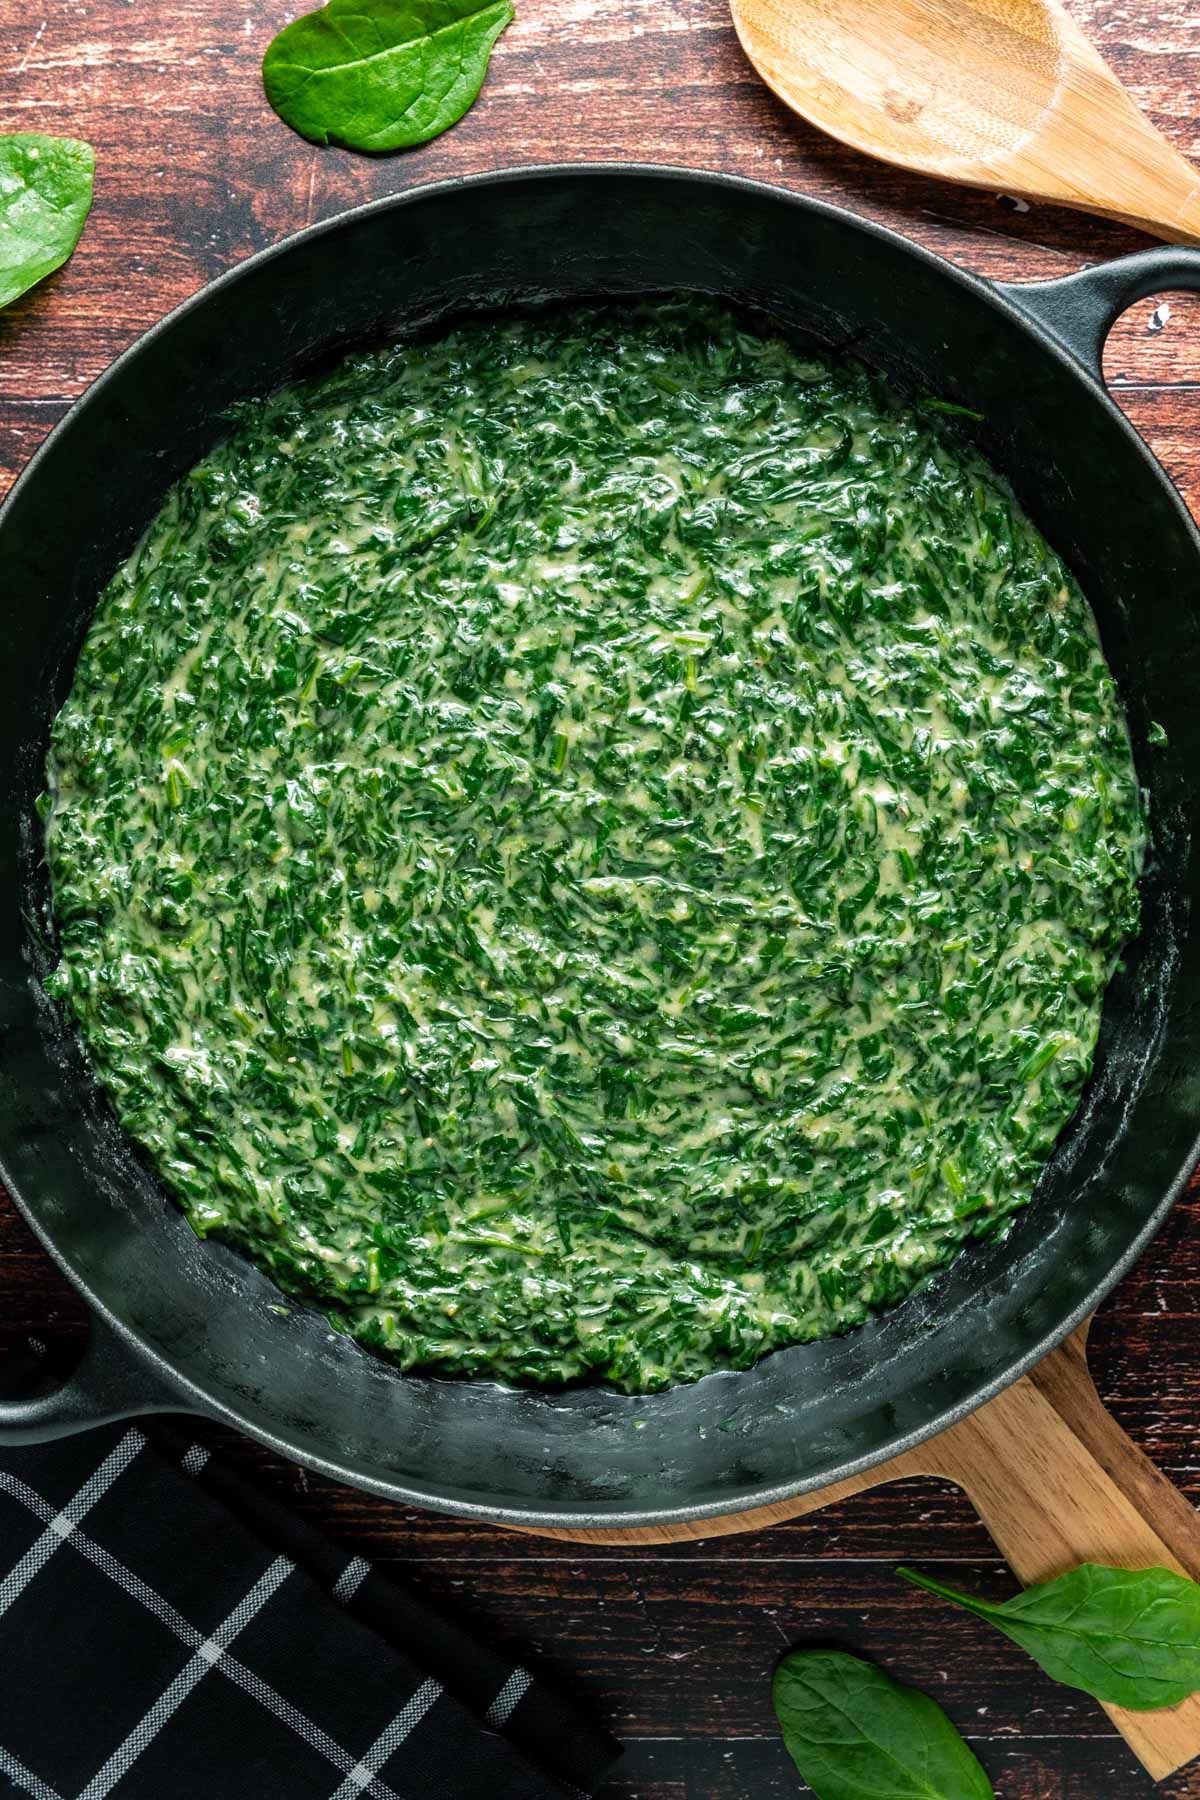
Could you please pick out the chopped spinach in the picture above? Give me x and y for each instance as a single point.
(45, 198)
(593, 846)
(383, 76)
(932, 404)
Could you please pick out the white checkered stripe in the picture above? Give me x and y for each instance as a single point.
(362, 1775)
(24, 1780)
(206, 1656)
(358, 1776)
(351, 1579)
(508, 1699)
(60, 1526)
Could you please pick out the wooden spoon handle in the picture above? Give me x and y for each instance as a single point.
(1161, 198)
(1099, 151)
(1057, 1482)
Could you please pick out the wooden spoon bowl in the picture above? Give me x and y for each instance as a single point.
(1002, 94)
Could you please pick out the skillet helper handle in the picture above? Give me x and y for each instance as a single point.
(1080, 310)
(107, 1384)
(1057, 1482)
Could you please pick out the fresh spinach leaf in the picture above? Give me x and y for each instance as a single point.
(45, 196)
(384, 74)
(1130, 1637)
(855, 1734)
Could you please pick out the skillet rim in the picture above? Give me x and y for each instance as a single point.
(179, 1392)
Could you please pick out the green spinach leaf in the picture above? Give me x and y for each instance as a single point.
(45, 196)
(930, 403)
(855, 1734)
(382, 74)
(1130, 1637)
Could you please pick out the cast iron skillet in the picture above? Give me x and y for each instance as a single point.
(183, 1326)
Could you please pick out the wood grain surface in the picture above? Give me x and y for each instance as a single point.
(673, 1647)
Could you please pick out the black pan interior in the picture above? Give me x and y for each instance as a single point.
(804, 1415)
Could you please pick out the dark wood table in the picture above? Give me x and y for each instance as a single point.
(673, 1648)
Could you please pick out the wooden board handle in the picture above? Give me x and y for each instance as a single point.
(1057, 1482)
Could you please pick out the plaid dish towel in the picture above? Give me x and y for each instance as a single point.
(169, 1633)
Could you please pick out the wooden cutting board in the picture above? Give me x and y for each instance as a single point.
(1056, 1482)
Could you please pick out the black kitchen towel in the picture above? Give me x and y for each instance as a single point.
(167, 1632)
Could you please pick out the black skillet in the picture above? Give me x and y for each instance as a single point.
(185, 1326)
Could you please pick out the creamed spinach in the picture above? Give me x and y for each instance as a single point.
(593, 846)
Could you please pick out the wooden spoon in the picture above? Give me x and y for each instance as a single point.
(1001, 94)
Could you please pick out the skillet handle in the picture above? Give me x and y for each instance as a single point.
(1080, 310)
(108, 1384)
